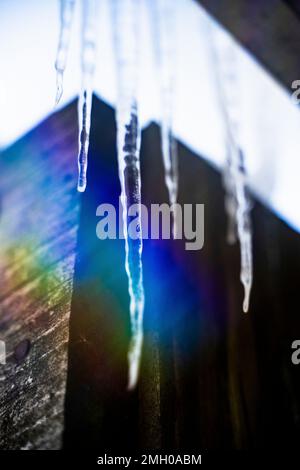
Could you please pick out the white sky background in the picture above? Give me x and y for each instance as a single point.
(270, 121)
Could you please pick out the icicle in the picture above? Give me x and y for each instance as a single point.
(164, 31)
(243, 224)
(126, 19)
(85, 100)
(66, 17)
(237, 204)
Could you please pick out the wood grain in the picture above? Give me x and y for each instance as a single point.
(38, 229)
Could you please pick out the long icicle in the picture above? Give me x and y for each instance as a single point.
(66, 19)
(164, 16)
(126, 23)
(237, 203)
(85, 101)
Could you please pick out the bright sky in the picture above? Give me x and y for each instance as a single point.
(270, 121)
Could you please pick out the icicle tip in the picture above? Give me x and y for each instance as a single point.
(231, 237)
(247, 289)
(81, 188)
(59, 86)
(133, 375)
(58, 96)
(134, 358)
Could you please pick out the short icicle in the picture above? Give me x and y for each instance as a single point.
(237, 202)
(164, 21)
(88, 16)
(126, 23)
(66, 19)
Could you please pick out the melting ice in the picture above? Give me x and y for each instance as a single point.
(88, 16)
(236, 200)
(125, 14)
(66, 18)
(163, 19)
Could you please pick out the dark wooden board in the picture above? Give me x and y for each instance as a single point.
(268, 29)
(211, 376)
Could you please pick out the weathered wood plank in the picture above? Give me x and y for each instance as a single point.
(38, 229)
